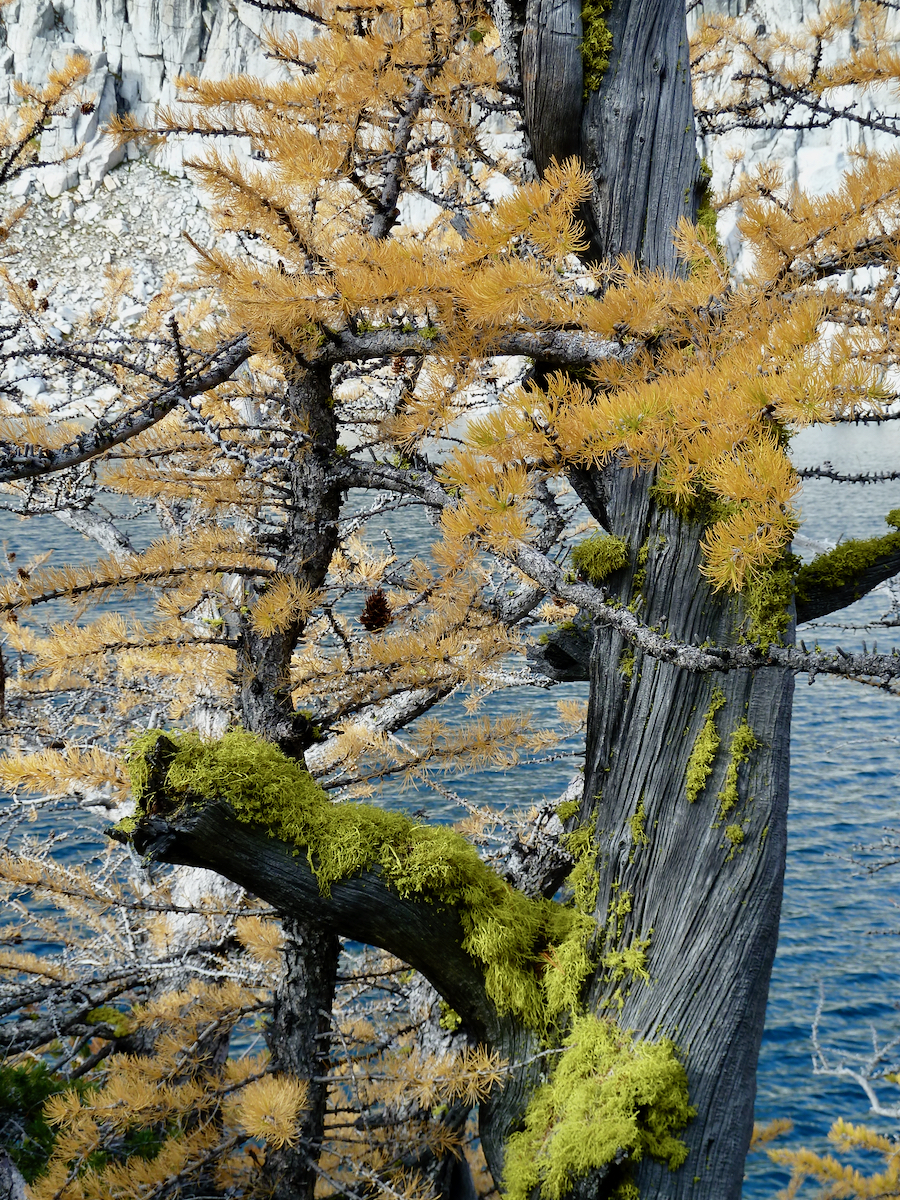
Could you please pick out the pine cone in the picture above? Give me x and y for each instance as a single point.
(376, 613)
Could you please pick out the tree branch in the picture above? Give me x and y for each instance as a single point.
(16, 463)
(841, 576)
(426, 935)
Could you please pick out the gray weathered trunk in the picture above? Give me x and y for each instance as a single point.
(635, 135)
(705, 884)
(303, 1000)
(712, 903)
(299, 1039)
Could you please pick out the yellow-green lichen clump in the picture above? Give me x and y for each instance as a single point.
(606, 1095)
(743, 741)
(596, 43)
(599, 556)
(508, 934)
(703, 753)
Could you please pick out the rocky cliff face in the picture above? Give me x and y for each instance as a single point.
(137, 48)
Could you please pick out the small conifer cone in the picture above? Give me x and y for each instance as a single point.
(376, 613)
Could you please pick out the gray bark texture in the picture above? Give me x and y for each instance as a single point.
(552, 79)
(711, 898)
(299, 1039)
(712, 902)
(12, 1184)
(635, 135)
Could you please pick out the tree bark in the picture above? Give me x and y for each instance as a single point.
(635, 135)
(704, 884)
(303, 1000)
(299, 1038)
(708, 900)
(427, 936)
(638, 139)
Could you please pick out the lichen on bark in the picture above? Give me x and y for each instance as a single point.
(706, 745)
(596, 43)
(609, 1100)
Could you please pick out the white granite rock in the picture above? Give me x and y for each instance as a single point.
(137, 49)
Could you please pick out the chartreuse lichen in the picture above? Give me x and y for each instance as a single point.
(570, 963)
(596, 43)
(743, 742)
(599, 556)
(450, 1018)
(567, 809)
(706, 745)
(638, 830)
(607, 1095)
(508, 934)
(844, 564)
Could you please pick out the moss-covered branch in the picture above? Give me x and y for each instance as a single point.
(836, 579)
(242, 808)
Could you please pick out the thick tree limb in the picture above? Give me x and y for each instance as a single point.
(555, 347)
(428, 936)
(820, 601)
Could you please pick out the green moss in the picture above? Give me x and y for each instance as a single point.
(705, 748)
(572, 960)
(638, 832)
(450, 1018)
(24, 1131)
(507, 933)
(735, 835)
(626, 663)
(596, 43)
(703, 507)
(119, 1022)
(567, 810)
(842, 566)
(599, 556)
(606, 1095)
(706, 216)
(768, 597)
(640, 575)
(743, 742)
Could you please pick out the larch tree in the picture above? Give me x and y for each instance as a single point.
(630, 487)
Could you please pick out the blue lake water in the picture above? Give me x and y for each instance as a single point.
(844, 782)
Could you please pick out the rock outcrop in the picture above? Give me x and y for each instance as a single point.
(137, 49)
